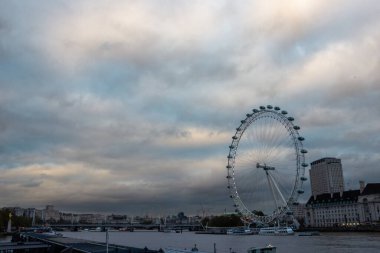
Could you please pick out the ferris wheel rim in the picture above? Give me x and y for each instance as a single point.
(292, 129)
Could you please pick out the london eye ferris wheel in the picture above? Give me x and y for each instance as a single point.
(266, 165)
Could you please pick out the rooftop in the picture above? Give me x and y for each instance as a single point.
(322, 160)
(373, 188)
(351, 195)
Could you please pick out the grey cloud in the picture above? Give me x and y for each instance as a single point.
(32, 184)
(110, 102)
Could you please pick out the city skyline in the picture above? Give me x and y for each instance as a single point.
(131, 106)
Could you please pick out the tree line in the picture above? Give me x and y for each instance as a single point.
(17, 221)
(232, 220)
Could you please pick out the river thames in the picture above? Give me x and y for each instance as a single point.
(326, 242)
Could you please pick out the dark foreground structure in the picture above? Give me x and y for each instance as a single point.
(34, 242)
(23, 247)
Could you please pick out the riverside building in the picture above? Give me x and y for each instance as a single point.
(369, 200)
(347, 208)
(333, 210)
(331, 206)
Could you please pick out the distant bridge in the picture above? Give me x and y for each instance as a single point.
(103, 226)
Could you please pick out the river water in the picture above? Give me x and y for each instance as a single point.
(326, 242)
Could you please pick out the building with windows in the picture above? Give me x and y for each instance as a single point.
(326, 176)
(369, 199)
(347, 208)
(299, 211)
(333, 210)
(69, 218)
(50, 214)
(92, 218)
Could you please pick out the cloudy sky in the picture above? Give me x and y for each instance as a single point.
(129, 106)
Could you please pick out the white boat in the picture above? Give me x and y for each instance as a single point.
(276, 231)
(48, 231)
(98, 229)
(267, 249)
(240, 231)
(171, 230)
(168, 231)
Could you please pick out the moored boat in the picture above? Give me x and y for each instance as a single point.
(241, 231)
(267, 249)
(168, 231)
(48, 231)
(276, 231)
(97, 229)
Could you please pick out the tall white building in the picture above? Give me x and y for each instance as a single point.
(326, 176)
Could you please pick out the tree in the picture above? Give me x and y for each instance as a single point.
(258, 213)
(17, 221)
(181, 215)
(224, 221)
(205, 221)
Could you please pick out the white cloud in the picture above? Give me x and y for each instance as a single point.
(141, 97)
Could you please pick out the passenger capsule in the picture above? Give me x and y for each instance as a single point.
(238, 129)
(277, 108)
(255, 110)
(231, 146)
(269, 107)
(229, 156)
(234, 137)
(303, 178)
(228, 166)
(301, 138)
(228, 176)
(304, 164)
(300, 191)
(248, 115)
(284, 112)
(303, 151)
(296, 127)
(290, 118)
(242, 121)
(262, 107)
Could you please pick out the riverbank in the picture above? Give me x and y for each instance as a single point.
(366, 229)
